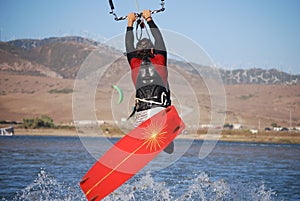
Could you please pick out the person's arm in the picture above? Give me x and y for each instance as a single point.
(129, 38)
(159, 41)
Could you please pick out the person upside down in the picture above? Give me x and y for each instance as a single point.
(148, 63)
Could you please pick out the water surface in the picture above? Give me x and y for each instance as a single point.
(50, 168)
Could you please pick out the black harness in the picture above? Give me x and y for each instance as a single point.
(151, 91)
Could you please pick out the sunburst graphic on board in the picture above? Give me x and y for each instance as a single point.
(155, 135)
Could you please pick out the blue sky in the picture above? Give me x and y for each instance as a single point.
(235, 33)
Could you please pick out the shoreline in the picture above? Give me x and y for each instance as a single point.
(273, 138)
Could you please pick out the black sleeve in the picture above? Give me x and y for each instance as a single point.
(129, 41)
(159, 45)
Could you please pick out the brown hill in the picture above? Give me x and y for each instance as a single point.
(253, 106)
(37, 77)
(55, 59)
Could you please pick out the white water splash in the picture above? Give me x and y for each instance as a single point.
(202, 188)
(145, 187)
(261, 194)
(47, 188)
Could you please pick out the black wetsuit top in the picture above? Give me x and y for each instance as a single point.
(149, 74)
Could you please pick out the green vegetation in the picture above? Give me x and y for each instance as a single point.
(65, 127)
(111, 129)
(228, 126)
(39, 122)
(27, 92)
(246, 97)
(3, 122)
(60, 91)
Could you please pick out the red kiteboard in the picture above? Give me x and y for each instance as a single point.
(131, 153)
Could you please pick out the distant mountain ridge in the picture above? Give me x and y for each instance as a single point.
(245, 76)
(53, 57)
(33, 43)
(61, 57)
(258, 76)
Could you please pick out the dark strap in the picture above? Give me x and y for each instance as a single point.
(139, 24)
(152, 96)
(142, 104)
(111, 5)
(133, 112)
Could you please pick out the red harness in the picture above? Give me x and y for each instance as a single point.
(158, 61)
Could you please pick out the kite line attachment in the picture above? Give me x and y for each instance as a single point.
(139, 15)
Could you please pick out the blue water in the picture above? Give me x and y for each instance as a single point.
(50, 168)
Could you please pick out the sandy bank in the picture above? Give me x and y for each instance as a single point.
(281, 138)
(45, 132)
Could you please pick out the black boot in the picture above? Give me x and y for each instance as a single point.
(170, 148)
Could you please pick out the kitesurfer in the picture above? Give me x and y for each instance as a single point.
(148, 62)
